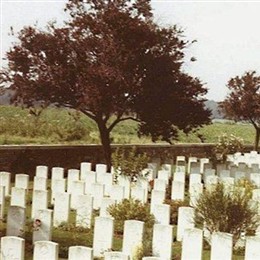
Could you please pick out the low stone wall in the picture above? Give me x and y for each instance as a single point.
(24, 158)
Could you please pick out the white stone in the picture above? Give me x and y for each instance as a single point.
(195, 191)
(105, 203)
(157, 197)
(144, 184)
(5, 180)
(207, 173)
(180, 160)
(194, 179)
(18, 197)
(256, 194)
(22, 181)
(15, 221)
(90, 178)
(178, 189)
(180, 168)
(73, 175)
(160, 184)
(103, 235)
(12, 248)
(224, 174)
(179, 176)
(190, 161)
(255, 179)
(115, 256)
(239, 175)
(2, 201)
(162, 241)
(61, 208)
(85, 168)
(80, 253)
(101, 168)
(39, 183)
(221, 246)
(84, 211)
(117, 193)
(45, 250)
(154, 168)
(203, 161)
(161, 213)
(57, 173)
(42, 226)
(192, 244)
(211, 182)
(97, 191)
(185, 220)
(133, 237)
(125, 182)
(151, 258)
(42, 171)
(252, 248)
(138, 193)
(164, 175)
(78, 188)
(59, 186)
(107, 180)
(167, 167)
(39, 201)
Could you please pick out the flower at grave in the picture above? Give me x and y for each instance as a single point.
(36, 224)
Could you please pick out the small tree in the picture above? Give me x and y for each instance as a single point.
(113, 63)
(231, 212)
(243, 103)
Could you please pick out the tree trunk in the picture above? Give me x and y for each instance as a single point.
(257, 137)
(105, 141)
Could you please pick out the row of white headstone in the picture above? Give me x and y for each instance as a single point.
(192, 245)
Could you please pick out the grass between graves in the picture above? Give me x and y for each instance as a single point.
(69, 235)
(64, 126)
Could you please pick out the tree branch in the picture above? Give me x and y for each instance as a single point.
(119, 119)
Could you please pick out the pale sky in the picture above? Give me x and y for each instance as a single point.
(227, 33)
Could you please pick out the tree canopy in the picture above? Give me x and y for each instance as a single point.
(243, 101)
(112, 62)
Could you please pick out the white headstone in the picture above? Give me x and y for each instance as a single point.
(221, 246)
(162, 241)
(73, 175)
(115, 256)
(103, 235)
(90, 178)
(133, 237)
(157, 197)
(58, 186)
(12, 248)
(195, 192)
(42, 225)
(42, 171)
(78, 188)
(192, 237)
(144, 184)
(39, 201)
(15, 221)
(57, 173)
(224, 173)
(138, 193)
(117, 193)
(252, 248)
(80, 253)
(185, 220)
(22, 181)
(97, 191)
(46, 250)
(2, 201)
(39, 183)
(255, 179)
(160, 184)
(161, 213)
(194, 179)
(18, 197)
(85, 168)
(107, 180)
(164, 175)
(5, 180)
(179, 176)
(61, 208)
(178, 189)
(84, 211)
(101, 168)
(105, 203)
(125, 182)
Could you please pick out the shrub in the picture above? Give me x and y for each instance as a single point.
(227, 144)
(129, 162)
(223, 211)
(130, 210)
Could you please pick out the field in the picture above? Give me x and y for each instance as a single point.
(64, 126)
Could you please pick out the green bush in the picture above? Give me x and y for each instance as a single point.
(130, 163)
(223, 211)
(130, 210)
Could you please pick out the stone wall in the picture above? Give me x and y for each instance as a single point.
(24, 158)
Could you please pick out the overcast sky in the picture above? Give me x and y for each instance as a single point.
(227, 33)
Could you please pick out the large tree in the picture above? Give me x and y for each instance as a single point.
(243, 101)
(113, 63)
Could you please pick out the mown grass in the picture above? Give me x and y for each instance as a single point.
(64, 126)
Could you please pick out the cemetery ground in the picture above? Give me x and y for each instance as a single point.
(68, 234)
(64, 126)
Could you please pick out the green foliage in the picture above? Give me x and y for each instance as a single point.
(130, 210)
(130, 163)
(226, 211)
(228, 144)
